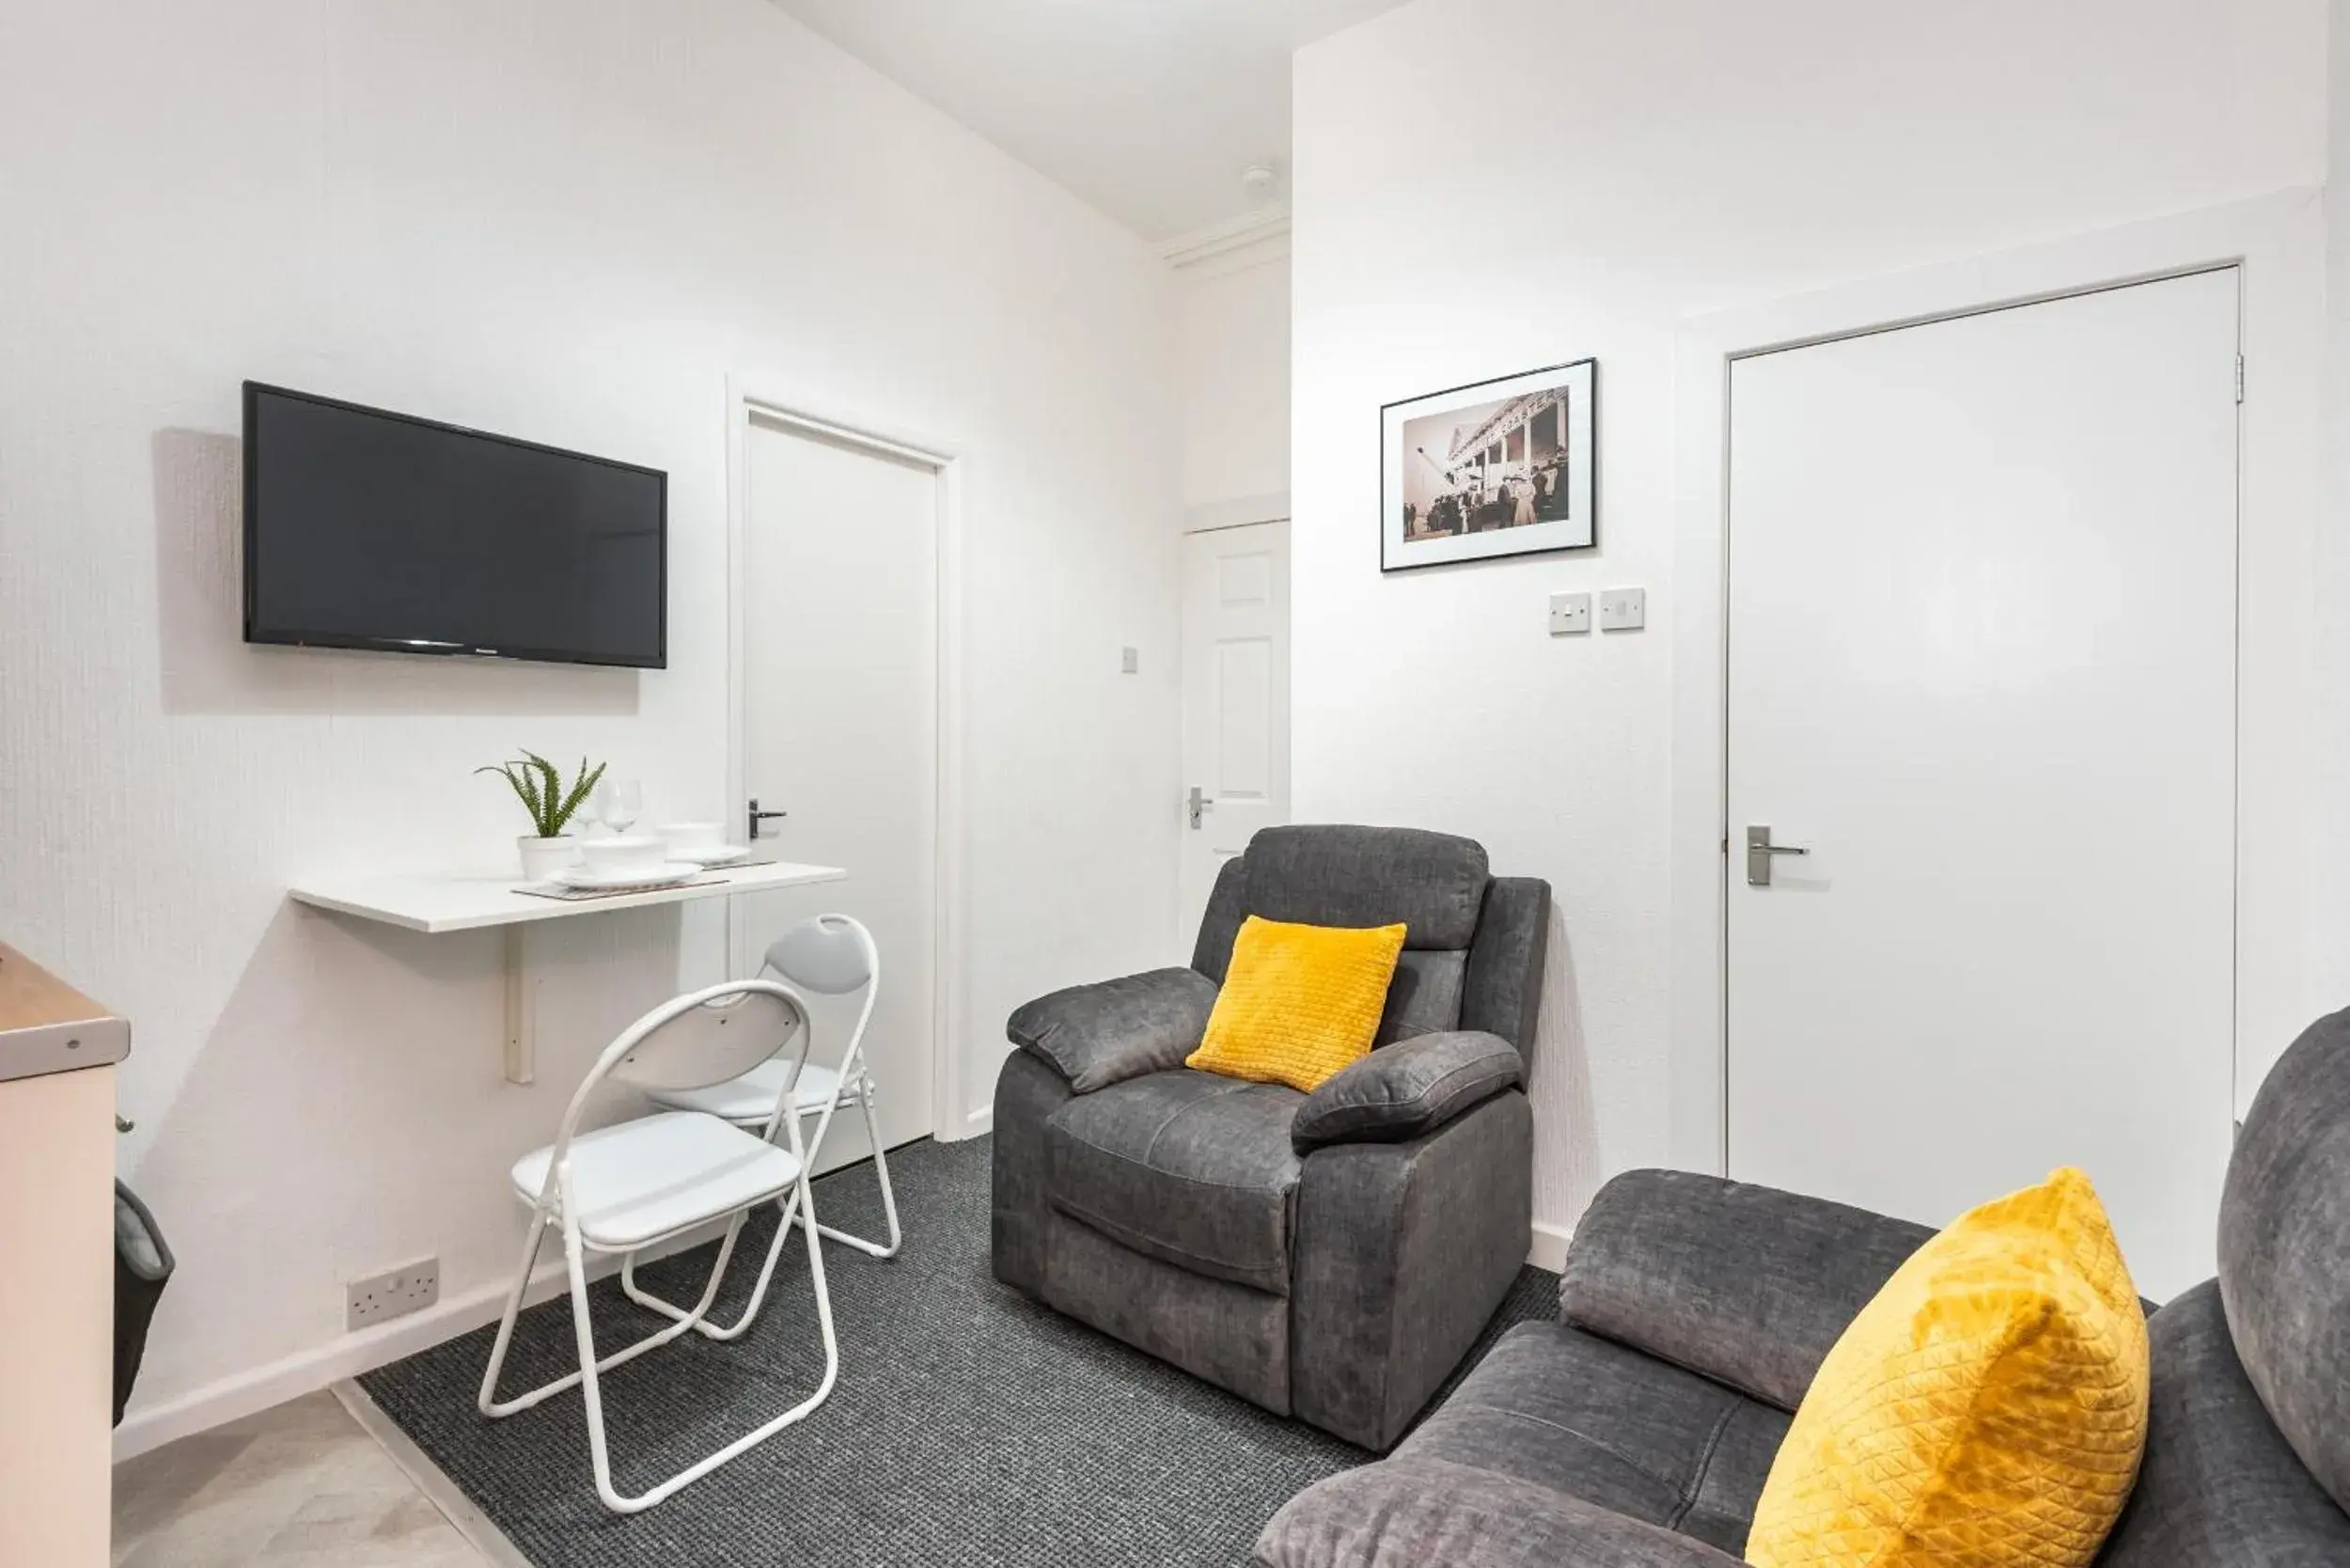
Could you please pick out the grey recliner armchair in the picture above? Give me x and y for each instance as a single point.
(1329, 1256)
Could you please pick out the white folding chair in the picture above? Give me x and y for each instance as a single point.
(620, 1188)
(833, 955)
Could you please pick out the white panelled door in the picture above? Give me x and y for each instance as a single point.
(1982, 670)
(840, 692)
(1236, 698)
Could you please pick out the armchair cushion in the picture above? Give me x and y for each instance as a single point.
(1587, 1417)
(1402, 1090)
(1749, 1285)
(2220, 1487)
(2285, 1249)
(1503, 989)
(1424, 996)
(1409, 1513)
(1432, 882)
(1097, 1035)
(1187, 1167)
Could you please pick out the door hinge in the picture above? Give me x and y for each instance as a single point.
(2239, 378)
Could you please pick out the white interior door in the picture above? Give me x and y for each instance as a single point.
(1236, 698)
(840, 688)
(1981, 667)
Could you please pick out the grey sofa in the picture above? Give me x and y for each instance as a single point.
(1636, 1431)
(1329, 1256)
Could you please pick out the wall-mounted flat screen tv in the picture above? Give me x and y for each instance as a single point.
(368, 529)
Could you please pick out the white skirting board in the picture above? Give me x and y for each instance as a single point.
(309, 1371)
(1548, 1246)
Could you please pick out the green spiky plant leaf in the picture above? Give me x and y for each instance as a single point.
(580, 790)
(550, 794)
(539, 784)
(521, 781)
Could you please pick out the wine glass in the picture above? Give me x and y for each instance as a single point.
(619, 803)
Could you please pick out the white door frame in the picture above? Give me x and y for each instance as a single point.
(778, 403)
(2278, 241)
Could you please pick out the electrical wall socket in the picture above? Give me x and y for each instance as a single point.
(393, 1294)
(1570, 613)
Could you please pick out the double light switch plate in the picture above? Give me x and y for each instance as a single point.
(1622, 610)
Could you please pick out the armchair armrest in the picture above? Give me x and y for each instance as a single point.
(1401, 1090)
(1097, 1035)
(1748, 1285)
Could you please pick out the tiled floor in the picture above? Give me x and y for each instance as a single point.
(299, 1485)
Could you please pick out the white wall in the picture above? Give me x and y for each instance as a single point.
(1460, 214)
(569, 220)
(1233, 324)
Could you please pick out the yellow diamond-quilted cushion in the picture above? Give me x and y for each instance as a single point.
(1299, 1002)
(1987, 1408)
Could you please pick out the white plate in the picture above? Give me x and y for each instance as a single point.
(608, 881)
(724, 854)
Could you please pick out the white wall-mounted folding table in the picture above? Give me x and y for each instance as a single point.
(435, 905)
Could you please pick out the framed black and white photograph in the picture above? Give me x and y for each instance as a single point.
(1501, 468)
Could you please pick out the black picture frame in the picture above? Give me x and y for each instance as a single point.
(1478, 485)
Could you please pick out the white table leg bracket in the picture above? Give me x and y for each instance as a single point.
(522, 1023)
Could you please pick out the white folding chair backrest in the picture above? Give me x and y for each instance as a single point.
(717, 1039)
(831, 953)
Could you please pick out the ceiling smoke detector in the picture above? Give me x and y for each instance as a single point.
(1258, 178)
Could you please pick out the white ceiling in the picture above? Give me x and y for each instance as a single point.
(1147, 109)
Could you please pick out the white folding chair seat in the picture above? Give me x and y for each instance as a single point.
(833, 955)
(751, 1098)
(639, 1182)
(622, 1187)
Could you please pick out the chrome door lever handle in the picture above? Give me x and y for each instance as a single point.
(1758, 852)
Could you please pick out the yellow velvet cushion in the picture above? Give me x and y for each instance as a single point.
(1298, 1002)
(1987, 1408)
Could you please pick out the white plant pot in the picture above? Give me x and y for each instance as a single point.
(544, 858)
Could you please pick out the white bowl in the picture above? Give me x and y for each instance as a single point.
(694, 839)
(623, 852)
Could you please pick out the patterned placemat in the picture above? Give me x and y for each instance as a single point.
(706, 877)
(573, 895)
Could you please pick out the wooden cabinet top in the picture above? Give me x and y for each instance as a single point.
(48, 1027)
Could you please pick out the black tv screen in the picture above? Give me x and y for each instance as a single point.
(368, 529)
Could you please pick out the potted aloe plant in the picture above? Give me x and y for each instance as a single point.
(539, 784)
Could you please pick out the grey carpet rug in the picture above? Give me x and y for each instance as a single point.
(969, 1425)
